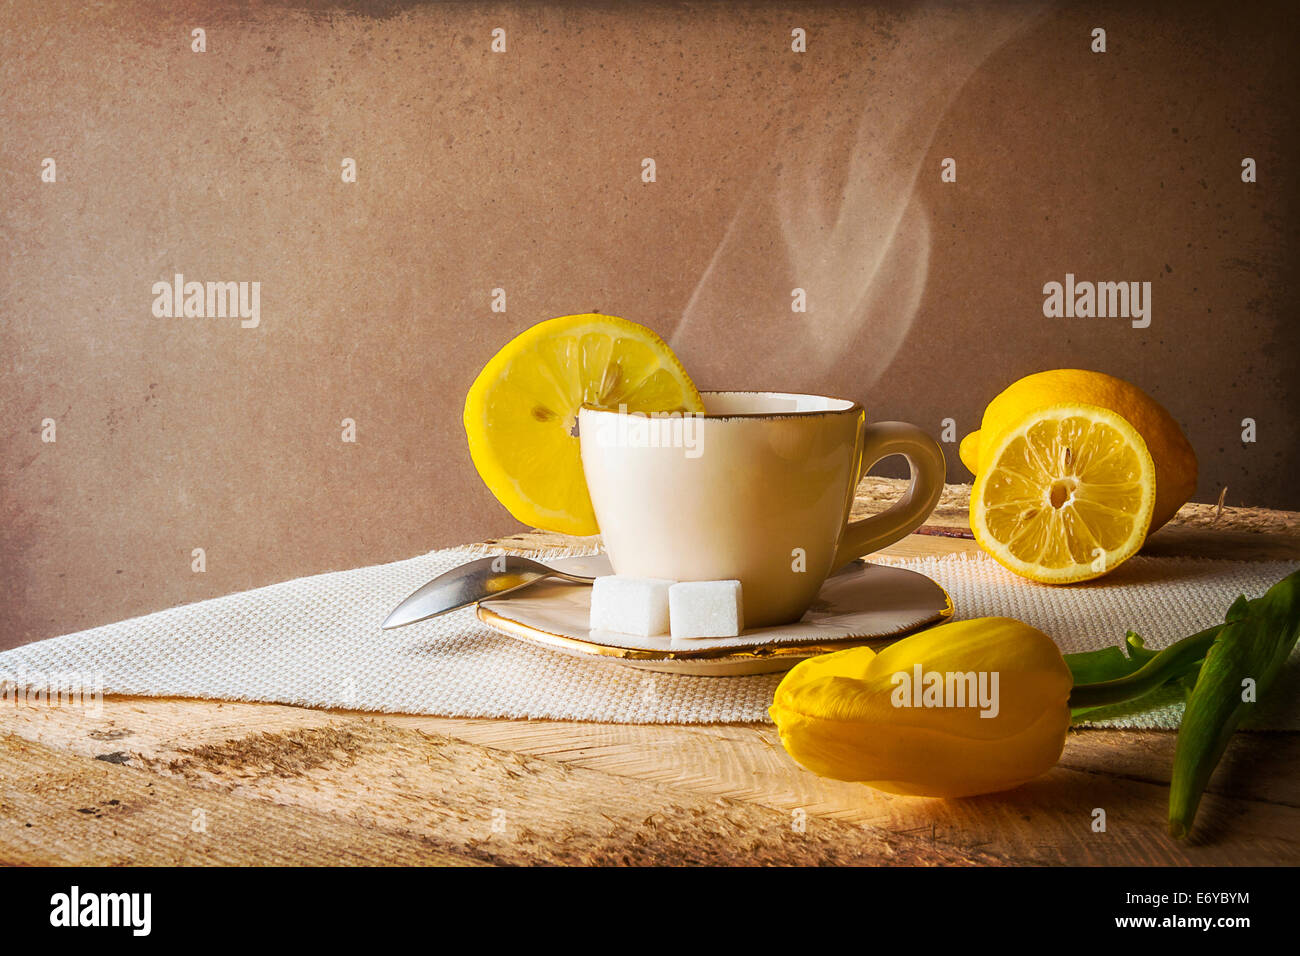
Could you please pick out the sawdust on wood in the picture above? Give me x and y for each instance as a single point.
(287, 754)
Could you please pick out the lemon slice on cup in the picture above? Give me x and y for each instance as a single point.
(1066, 494)
(521, 412)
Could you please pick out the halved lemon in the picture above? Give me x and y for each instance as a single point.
(1066, 494)
(521, 412)
(1171, 451)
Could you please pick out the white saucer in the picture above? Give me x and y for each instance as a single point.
(860, 604)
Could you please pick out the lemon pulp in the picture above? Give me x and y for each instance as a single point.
(1066, 495)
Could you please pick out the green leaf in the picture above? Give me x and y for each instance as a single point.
(1110, 684)
(1239, 610)
(1109, 663)
(1254, 643)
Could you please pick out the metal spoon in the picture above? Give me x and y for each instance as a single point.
(490, 577)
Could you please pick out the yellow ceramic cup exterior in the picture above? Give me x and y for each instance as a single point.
(758, 489)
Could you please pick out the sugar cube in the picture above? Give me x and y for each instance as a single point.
(630, 605)
(706, 609)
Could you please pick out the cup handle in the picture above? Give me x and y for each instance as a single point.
(925, 459)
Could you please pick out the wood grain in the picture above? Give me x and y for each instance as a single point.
(427, 789)
(382, 791)
(61, 809)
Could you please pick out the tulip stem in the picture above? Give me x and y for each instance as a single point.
(1173, 661)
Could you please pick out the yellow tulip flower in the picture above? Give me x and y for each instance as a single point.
(964, 708)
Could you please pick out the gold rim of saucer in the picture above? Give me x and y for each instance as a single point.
(536, 635)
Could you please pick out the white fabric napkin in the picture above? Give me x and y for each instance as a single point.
(316, 642)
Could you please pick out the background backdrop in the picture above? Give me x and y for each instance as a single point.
(522, 170)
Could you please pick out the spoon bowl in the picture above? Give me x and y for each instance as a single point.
(490, 577)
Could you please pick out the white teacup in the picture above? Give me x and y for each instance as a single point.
(757, 489)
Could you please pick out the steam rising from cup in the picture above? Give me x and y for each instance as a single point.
(859, 252)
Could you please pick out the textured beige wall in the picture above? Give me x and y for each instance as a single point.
(522, 170)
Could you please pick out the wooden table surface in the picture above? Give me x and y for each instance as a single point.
(167, 781)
